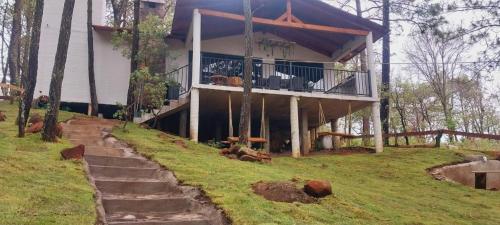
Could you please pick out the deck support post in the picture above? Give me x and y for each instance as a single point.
(196, 47)
(294, 125)
(195, 93)
(267, 145)
(336, 128)
(304, 131)
(183, 124)
(195, 114)
(377, 124)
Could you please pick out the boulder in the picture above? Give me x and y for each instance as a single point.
(3, 117)
(35, 128)
(225, 151)
(318, 188)
(473, 158)
(73, 153)
(35, 118)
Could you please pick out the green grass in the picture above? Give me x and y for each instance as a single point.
(389, 188)
(36, 187)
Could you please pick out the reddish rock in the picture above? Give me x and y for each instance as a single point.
(225, 151)
(73, 153)
(318, 188)
(234, 149)
(35, 118)
(3, 117)
(35, 128)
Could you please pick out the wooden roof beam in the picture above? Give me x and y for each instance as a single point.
(304, 26)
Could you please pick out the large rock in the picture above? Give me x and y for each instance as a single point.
(35, 118)
(318, 188)
(35, 128)
(73, 153)
(3, 117)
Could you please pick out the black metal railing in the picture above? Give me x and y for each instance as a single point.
(178, 83)
(229, 71)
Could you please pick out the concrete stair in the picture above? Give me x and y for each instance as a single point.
(173, 107)
(134, 190)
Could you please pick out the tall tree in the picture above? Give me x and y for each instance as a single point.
(134, 59)
(436, 59)
(4, 43)
(119, 8)
(247, 74)
(94, 104)
(28, 10)
(15, 42)
(29, 81)
(386, 69)
(50, 123)
(364, 68)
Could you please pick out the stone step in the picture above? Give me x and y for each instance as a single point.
(103, 151)
(118, 161)
(136, 188)
(158, 219)
(157, 205)
(123, 172)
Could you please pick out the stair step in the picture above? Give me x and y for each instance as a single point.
(159, 205)
(103, 151)
(157, 219)
(123, 172)
(136, 187)
(118, 161)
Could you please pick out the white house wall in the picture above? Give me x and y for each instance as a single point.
(110, 66)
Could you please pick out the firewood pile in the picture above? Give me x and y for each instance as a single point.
(245, 154)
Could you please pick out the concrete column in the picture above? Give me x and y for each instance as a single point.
(183, 124)
(196, 47)
(195, 114)
(294, 124)
(249, 133)
(267, 145)
(304, 132)
(377, 124)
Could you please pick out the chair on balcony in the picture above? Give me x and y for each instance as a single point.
(274, 82)
(296, 84)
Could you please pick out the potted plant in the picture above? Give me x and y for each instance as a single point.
(173, 90)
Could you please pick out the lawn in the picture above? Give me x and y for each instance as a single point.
(389, 188)
(36, 187)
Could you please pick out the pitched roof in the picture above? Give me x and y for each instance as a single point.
(309, 11)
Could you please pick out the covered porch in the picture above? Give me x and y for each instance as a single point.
(330, 32)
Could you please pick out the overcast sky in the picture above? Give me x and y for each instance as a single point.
(401, 37)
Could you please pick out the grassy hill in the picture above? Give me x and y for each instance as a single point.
(36, 187)
(389, 188)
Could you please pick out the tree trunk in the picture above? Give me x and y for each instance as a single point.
(2, 56)
(364, 68)
(247, 75)
(29, 81)
(15, 41)
(134, 62)
(386, 70)
(27, 40)
(90, 40)
(50, 123)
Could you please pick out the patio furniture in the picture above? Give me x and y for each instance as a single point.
(218, 79)
(274, 82)
(296, 84)
(234, 81)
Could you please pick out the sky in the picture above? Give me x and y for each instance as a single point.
(401, 37)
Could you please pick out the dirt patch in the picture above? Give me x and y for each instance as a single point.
(282, 192)
(180, 143)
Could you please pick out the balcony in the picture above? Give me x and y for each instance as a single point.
(285, 76)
